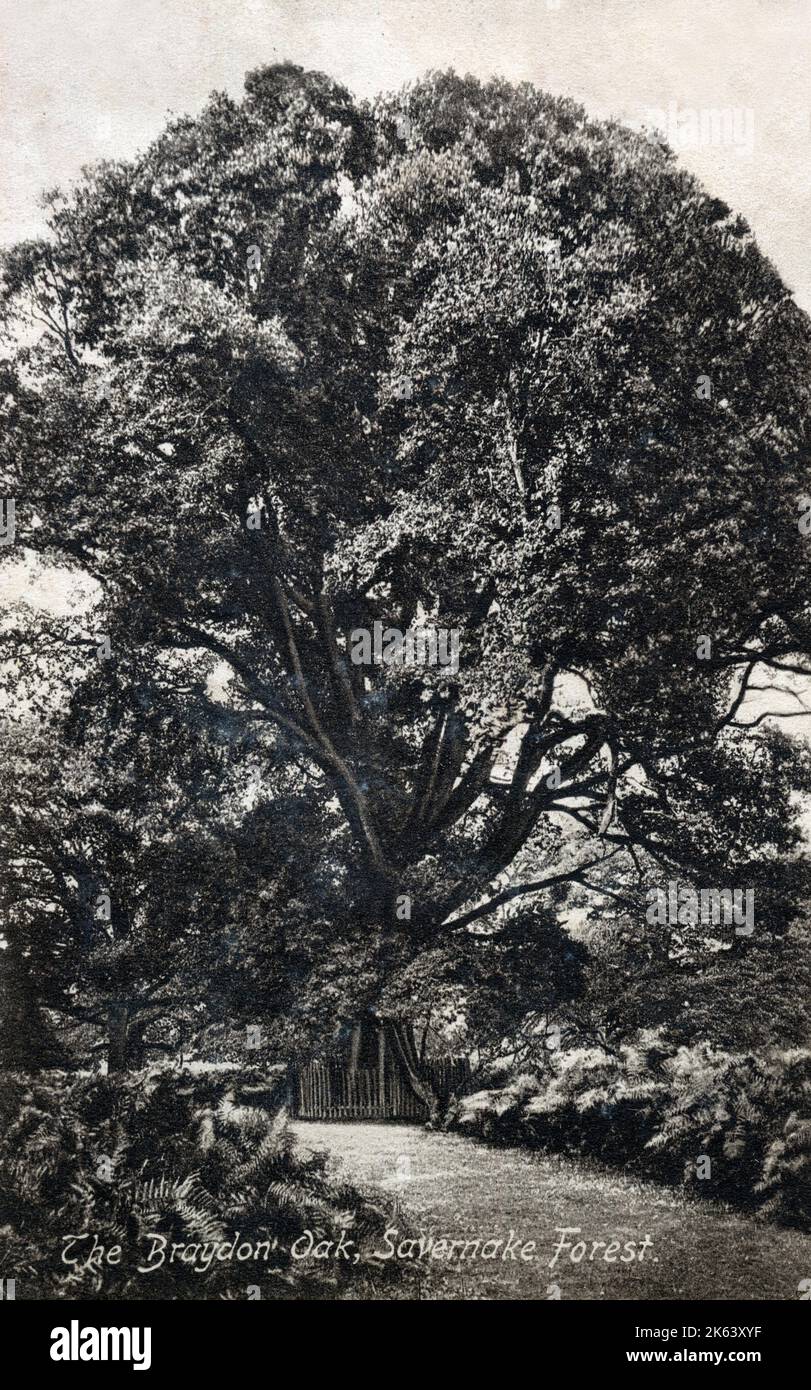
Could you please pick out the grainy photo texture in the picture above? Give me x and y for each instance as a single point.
(405, 654)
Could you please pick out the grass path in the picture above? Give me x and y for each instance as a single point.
(454, 1189)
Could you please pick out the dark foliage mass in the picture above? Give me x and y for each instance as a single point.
(729, 1126)
(461, 360)
(202, 1163)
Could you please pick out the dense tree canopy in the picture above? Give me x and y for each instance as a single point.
(461, 357)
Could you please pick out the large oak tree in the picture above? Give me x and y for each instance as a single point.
(307, 365)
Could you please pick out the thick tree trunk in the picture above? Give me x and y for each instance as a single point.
(117, 1034)
(135, 1053)
(393, 940)
(403, 1042)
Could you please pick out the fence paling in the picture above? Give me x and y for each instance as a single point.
(324, 1093)
(333, 1092)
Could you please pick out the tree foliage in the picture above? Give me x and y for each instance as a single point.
(306, 365)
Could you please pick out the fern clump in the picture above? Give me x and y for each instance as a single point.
(727, 1125)
(785, 1187)
(168, 1185)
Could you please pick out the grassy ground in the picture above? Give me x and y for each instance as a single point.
(455, 1189)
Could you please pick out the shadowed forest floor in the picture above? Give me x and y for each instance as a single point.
(452, 1189)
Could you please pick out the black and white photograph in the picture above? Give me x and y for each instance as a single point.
(405, 664)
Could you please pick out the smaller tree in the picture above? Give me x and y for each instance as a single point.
(109, 842)
(27, 1038)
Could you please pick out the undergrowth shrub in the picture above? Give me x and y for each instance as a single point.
(189, 1160)
(785, 1187)
(736, 1127)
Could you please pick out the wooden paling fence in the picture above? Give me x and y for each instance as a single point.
(330, 1091)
